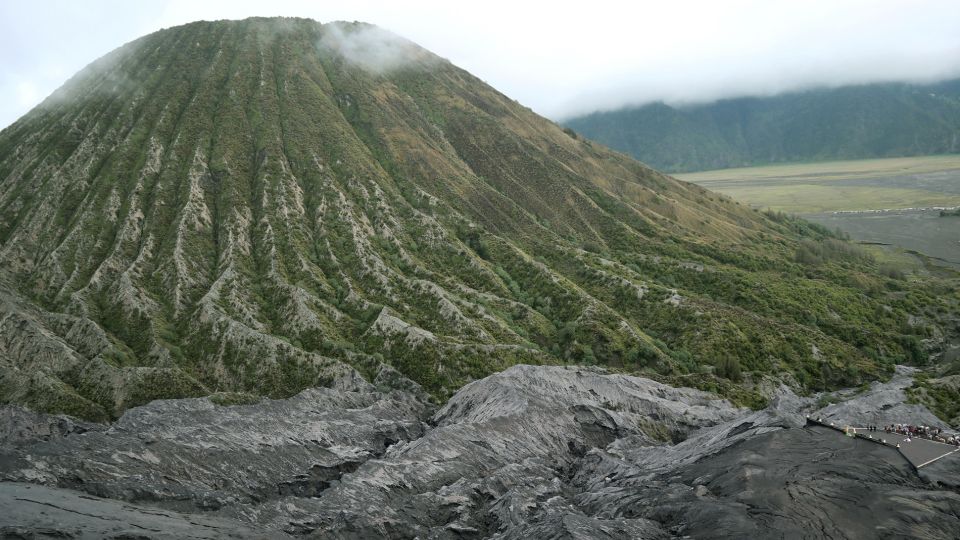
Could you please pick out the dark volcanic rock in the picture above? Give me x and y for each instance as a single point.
(882, 404)
(803, 482)
(503, 449)
(21, 426)
(31, 511)
(533, 452)
(193, 455)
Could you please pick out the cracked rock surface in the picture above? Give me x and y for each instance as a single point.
(883, 404)
(532, 452)
(192, 455)
(32, 511)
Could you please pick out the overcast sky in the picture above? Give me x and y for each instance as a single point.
(559, 58)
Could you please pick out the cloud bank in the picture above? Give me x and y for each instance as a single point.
(559, 58)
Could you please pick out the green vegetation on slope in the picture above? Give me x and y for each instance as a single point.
(252, 208)
(938, 388)
(941, 396)
(876, 120)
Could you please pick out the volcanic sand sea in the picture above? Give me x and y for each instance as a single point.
(920, 230)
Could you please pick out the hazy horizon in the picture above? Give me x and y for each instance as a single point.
(559, 61)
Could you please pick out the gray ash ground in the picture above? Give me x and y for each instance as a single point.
(533, 452)
(921, 230)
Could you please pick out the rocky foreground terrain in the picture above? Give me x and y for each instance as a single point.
(532, 452)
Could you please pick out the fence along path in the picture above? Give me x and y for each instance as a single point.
(918, 451)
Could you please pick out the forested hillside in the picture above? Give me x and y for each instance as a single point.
(877, 120)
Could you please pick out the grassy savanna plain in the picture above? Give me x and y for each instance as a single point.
(892, 201)
(868, 184)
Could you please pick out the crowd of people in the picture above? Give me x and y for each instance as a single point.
(923, 432)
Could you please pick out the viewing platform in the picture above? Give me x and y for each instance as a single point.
(918, 451)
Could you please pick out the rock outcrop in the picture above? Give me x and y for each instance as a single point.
(32, 511)
(881, 404)
(532, 452)
(193, 455)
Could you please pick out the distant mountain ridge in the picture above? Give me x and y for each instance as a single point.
(850, 122)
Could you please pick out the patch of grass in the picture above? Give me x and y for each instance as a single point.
(817, 198)
(941, 396)
(808, 188)
(226, 399)
(830, 170)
